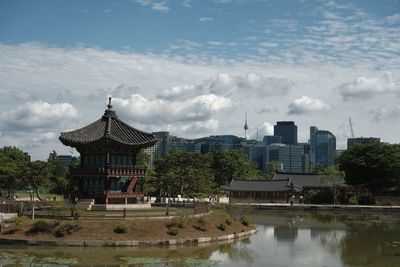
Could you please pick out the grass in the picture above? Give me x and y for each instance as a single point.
(137, 229)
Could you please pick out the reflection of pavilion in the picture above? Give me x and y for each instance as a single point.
(285, 233)
(108, 148)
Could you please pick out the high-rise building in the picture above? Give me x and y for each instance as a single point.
(361, 140)
(65, 160)
(322, 147)
(272, 139)
(292, 158)
(287, 130)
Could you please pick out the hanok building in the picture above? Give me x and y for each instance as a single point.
(108, 149)
(274, 191)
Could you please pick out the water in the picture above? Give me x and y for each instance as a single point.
(283, 239)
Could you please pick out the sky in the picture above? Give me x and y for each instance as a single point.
(195, 67)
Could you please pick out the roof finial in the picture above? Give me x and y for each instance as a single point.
(109, 103)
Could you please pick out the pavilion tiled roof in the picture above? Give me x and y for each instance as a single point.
(108, 127)
(307, 180)
(258, 185)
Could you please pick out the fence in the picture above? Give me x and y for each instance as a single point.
(11, 208)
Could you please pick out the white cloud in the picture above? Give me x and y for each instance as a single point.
(269, 45)
(267, 109)
(198, 109)
(367, 87)
(156, 5)
(264, 129)
(391, 114)
(306, 104)
(206, 19)
(84, 77)
(42, 115)
(393, 19)
(234, 86)
(216, 43)
(187, 3)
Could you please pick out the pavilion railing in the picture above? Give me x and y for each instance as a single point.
(117, 170)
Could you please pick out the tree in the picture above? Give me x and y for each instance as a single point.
(375, 165)
(35, 174)
(184, 173)
(58, 174)
(12, 159)
(232, 164)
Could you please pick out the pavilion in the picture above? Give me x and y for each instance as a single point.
(108, 150)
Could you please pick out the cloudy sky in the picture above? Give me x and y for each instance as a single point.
(194, 67)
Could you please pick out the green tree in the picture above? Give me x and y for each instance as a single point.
(232, 164)
(59, 182)
(375, 165)
(35, 174)
(12, 159)
(184, 173)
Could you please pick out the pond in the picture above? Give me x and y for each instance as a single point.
(283, 239)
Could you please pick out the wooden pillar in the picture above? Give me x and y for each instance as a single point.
(126, 200)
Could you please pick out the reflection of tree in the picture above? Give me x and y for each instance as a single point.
(285, 233)
(372, 245)
(330, 239)
(239, 251)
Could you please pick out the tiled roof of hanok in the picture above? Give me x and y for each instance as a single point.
(305, 180)
(258, 185)
(111, 128)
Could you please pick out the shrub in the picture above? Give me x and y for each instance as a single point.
(352, 200)
(66, 229)
(121, 228)
(366, 199)
(76, 214)
(173, 230)
(202, 224)
(319, 197)
(40, 226)
(228, 221)
(178, 221)
(18, 223)
(221, 226)
(245, 220)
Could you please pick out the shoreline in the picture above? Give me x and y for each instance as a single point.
(127, 243)
(319, 207)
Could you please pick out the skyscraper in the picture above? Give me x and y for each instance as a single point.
(287, 130)
(322, 147)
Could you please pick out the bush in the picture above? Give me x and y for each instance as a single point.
(245, 220)
(76, 214)
(173, 230)
(221, 226)
(40, 226)
(366, 199)
(121, 228)
(202, 224)
(228, 221)
(18, 223)
(319, 197)
(66, 229)
(178, 221)
(352, 200)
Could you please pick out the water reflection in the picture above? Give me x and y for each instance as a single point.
(283, 239)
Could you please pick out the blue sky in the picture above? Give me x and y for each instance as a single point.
(195, 67)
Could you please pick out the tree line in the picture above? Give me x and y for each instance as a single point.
(18, 172)
(187, 174)
(374, 166)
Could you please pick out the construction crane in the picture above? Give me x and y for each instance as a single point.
(351, 128)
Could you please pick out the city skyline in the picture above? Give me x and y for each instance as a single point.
(194, 68)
